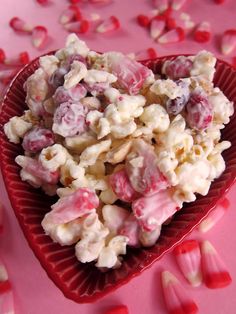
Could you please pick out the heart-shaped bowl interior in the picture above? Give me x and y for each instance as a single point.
(84, 282)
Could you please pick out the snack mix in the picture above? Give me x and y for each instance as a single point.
(122, 147)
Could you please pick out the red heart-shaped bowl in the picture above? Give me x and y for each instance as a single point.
(84, 282)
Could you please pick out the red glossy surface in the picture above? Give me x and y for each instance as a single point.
(83, 282)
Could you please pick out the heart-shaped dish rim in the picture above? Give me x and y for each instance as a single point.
(179, 228)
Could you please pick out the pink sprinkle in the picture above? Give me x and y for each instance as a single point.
(177, 4)
(143, 20)
(157, 27)
(39, 36)
(202, 33)
(172, 36)
(111, 24)
(176, 298)
(188, 257)
(215, 273)
(18, 25)
(228, 43)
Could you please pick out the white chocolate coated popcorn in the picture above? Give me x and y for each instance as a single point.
(75, 75)
(53, 157)
(16, 128)
(156, 118)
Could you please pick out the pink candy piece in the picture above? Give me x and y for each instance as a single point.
(20, 60)
(36, 139)
(73, 206)
(214, 216)
(130, 229)
(157, 27)
(153, 211)
(177, 4)
(18, 25)
(69, 119)
(161, 5)
(131, 74)
(73, 94)
(77, 27)
(228, 43)
(173, 36)
(39, 36)
(178, 68)
(188, 257)
(199, 111)
(176, 298)
(121, 186)
(214, 271)
(119, 309)
(202, 33)
(72, 13)
(35, 168)
(145, 178)
(111, 24)
(143, 20)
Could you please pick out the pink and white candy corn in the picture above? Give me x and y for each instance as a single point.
(215, 273)
(161, 5)
(4, 282)
(73, 13)
(152, 211)
(20, 60)
(202, 33)
(122, 187)
(214, 216)
(228, 43)
(177, 4)
(80, 27)
(176, 298)
(188, 257)
(18, 25)
(73, 206)
(39, 36)
(7, 303)
(173, 36)
(108, 25)
(157, 27)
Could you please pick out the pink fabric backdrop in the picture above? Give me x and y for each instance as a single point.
(35, 293)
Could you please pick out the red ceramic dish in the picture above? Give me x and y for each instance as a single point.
(84, 282)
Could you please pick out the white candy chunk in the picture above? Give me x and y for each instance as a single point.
(114, 217)
(204, 64)
(75, 75)
(53, 157)
(96, 76)
(16, 128)
(91, 153)
(64, 234)
(167, 87)
(223, 109)
(156, 118)
(76, 46)
(49, 64)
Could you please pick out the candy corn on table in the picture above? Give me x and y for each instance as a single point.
(34, 292)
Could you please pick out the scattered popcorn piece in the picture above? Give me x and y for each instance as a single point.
(214, 216)
(228, 43)
(91, 153)
(176, 298)
(16, 128)
(153, 210)
(188, 257)
(173, 36)
(111, 24)
(215, 274)
(202, 33)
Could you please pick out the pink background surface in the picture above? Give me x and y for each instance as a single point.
(34, 292)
